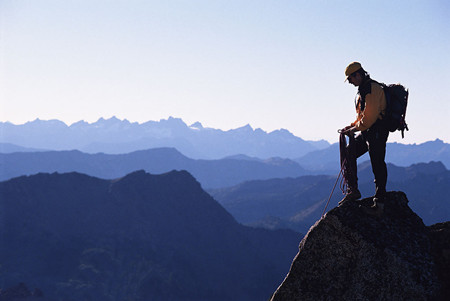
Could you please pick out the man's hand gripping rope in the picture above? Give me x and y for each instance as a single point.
(348, 130)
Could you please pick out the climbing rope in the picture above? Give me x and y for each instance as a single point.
(343, 158)
(337, 179)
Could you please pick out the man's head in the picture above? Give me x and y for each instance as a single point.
(355, 74)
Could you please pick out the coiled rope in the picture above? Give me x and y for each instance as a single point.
(343, 158)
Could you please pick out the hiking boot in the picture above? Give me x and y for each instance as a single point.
(376, 209)
(380, 195)
(352, 195)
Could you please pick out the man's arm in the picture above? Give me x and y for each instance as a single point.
(373, 108)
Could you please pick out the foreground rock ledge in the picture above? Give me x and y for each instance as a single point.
(349, 255)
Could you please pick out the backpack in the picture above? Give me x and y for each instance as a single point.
(396, 103)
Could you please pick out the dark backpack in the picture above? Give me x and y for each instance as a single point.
(396, 103)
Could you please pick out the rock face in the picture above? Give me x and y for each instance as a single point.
(440, 240)
(349, 255)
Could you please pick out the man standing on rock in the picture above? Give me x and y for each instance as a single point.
(372, 136)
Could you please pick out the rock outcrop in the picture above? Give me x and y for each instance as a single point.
(440, 242)
(349, 255)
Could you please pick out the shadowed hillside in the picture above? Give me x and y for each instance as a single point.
(210, 173)
(140, 237)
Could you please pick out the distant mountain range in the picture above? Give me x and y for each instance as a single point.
(225, 172)
(297, 203)
(210, 173)
(140, 237)
(114, 136)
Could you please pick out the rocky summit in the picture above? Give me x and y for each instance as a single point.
(351, 255)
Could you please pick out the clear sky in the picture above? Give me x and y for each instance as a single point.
(225, 63)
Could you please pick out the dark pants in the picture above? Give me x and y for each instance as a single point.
(374, 141)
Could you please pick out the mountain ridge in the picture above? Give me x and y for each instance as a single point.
(116, 136)
(211, 173)
(141, 236)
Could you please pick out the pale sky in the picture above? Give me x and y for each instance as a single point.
(225, 63)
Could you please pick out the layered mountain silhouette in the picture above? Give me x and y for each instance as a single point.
(282, 197)
(297, 203)
(139, 237)
(350, 255)
(210, 173)
(7, 148)
(224, 172)
(116, 136)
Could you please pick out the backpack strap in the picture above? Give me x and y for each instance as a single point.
(363, 90)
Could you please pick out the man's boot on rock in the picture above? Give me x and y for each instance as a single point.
(353, 194)
(377, 208)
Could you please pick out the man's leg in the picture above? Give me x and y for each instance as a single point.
(356, 148)
(377, 150)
